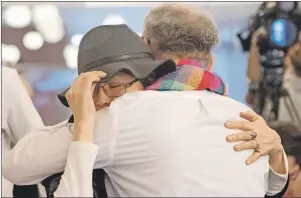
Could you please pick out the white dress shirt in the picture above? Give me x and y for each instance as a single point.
(19, 116)
(153, 144)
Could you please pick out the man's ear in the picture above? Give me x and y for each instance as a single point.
(210, 65)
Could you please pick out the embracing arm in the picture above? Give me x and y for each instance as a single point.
(266, 142)
(44, 153)
(278, 174)
(77, 178)
(38, 155)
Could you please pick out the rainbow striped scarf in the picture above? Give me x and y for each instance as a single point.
(189, 75)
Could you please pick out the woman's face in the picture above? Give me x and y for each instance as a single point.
(119, 84)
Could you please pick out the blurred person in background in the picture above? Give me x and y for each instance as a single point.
(19, 116)
(201, 57)
(292, 82)
(27, 86)
(291, 141)
(291, 78)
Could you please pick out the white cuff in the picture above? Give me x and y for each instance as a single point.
(77, 178)
(82, 155)
(277, 181)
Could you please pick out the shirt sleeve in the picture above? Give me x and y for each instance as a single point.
(277, 181)
(38, 155)
(77, 178)
(23, 117)
(43, 153)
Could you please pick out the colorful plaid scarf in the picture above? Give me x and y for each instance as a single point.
(190, 75)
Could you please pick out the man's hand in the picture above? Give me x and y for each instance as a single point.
(80, 100)
(258, 136)
(257, 35)
(253, 71)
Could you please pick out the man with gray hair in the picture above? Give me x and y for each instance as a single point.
(176, 31)
(188, 36)
(170, 139)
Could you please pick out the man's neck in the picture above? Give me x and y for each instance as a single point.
(167, 56)
(176, 59)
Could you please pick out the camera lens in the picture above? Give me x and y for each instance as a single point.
(283, 33)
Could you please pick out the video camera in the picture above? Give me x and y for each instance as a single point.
(281, 21)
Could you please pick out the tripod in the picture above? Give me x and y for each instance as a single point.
(271, 88)
(292, 107)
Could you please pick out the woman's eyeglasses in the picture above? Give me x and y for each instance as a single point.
(113, 89)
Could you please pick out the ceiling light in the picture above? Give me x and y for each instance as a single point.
(70, 54)
(10, 53)
(47, 20)
(271, 4)
(17, 16)
(33, 40)
(113, 19)
(75, 40)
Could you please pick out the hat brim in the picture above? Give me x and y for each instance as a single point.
(140, 68)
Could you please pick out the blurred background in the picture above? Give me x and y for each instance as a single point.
(40, 40)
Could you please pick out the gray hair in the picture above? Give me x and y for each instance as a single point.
(181, 31)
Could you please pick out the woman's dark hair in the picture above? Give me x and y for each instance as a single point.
(290, 136)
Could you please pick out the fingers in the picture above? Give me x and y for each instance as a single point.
(240, 125)
(93, 76)
(93, 88)
(250, 115)
(255, 156)
(259, 32)
(253, 144)
(99, 74)
(242, 136)
(85, 80)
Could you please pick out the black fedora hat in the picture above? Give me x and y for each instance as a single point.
(111, 48)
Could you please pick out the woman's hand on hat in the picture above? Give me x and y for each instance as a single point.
(80, 95)
(256, 135)
(80, 100)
